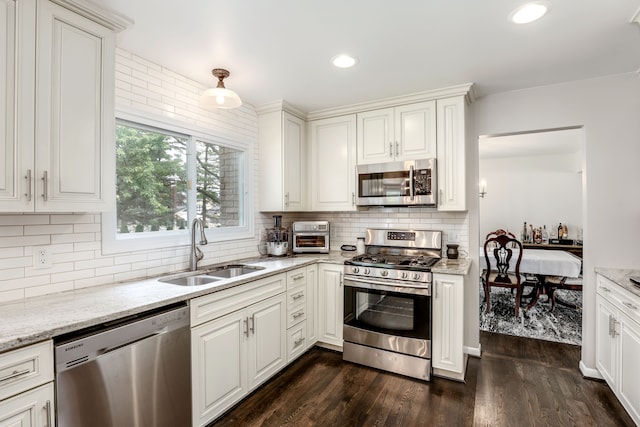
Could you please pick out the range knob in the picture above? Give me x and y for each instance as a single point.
(367, 271)
(416, 276)
(355, 270)
(404, 275)
(384, 273)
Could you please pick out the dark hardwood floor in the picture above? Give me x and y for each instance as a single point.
(517, 382)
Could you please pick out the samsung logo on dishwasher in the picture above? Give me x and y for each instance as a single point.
(73, 347)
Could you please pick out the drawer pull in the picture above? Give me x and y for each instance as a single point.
(631, 306)
(15, 374)
(605, 289)
(298, 277)
(298, 296)
(47, 408)
(298, 314)
(298, 342)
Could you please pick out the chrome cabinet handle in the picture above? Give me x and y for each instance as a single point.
(298, 296)
(28, 178)
(397, 149)
(610, 325)
(341, 279)
(45, 188)
(390, 149)
(615, 329)
(298, 314)
(298, 342)
(15, 374)
(353, 199)
(286, 200)
(412, 184)
(246, 327)
(298, 277)
(47, 408)
(440, 198)
(631, 306)
(605, 289)
(252, 328)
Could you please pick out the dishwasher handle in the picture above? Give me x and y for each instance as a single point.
(74, 352)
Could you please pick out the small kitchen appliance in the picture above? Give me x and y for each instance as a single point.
(409, 183)
(311, 237)
(277, 239)
(387, 301)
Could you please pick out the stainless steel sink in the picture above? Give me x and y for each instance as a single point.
(233, 270)
(191, 280)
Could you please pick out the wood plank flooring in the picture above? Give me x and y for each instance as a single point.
(517, 382)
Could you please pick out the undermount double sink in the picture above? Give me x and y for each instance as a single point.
(209, 276)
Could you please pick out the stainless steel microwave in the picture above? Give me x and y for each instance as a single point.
(410, 183)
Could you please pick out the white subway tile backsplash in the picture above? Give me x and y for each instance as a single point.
(23, 219)
(9, 274)
(35, 291)
(32, 230)
(11, 230)
(12, 295)
(6, 242)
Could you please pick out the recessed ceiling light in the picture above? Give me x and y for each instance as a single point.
(530, 12)
(344, 61)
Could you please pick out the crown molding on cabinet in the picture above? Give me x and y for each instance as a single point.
(281, 105)
(105, 17)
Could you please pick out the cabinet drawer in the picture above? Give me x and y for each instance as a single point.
(296, 278)
(227, 301)
(296, 341)
(622, 299)
(296, 297)
(25, 368)
(296, 316)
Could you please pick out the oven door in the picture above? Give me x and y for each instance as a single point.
(388, 317)
(310, 242)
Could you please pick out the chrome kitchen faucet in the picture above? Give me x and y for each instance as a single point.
(196, 253)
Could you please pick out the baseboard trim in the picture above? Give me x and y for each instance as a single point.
(590, 372)
(474, 351)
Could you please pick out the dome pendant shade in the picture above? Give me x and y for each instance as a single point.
(219, 96)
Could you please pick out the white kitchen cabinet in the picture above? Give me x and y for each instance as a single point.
(618, 342)
(333, 163)
(330, 304)
(238, 341)
(283, 162)
(406, 132)
(448, 358)
(26, 386)
(451, 159)
(312, 305)
(62, 87)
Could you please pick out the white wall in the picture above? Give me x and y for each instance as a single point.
(541, 190)
(609, 110)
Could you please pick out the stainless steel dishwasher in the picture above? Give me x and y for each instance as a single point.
(135, 373)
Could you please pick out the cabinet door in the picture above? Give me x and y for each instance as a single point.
(333, 162)
(295, 163)
(605, 341)
(74, 112)
(331, 309)
(375, 136)
(218, 365)
(312, 305)
(415, 131)
(33, 408)
(17, 76)
(267, 351)
(629, 340)
(448, 322)
(451, 154)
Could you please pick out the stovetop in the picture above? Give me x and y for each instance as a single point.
(407, 262)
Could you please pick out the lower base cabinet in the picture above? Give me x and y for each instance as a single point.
(618, 342)
(235, 353)
(447, 340)
(330, 304)
(33, 408)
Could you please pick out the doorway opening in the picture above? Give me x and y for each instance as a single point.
(532, 185)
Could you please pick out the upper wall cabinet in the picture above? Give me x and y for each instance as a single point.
(451, 159)
(406, 132)
(283, 160)
(57, 119)
(333, 163)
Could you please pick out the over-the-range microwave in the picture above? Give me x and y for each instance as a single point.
(409, 183)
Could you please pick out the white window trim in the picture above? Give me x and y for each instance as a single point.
(113, 242)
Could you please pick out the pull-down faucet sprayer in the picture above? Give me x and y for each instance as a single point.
(196, 253)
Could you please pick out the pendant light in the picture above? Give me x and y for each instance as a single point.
(219, 96)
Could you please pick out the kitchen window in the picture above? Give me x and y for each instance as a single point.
(166, 176)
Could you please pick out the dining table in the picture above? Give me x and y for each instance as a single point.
(540, 263)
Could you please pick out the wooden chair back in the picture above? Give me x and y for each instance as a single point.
(503, 270)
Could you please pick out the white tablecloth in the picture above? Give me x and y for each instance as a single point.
(541, 261)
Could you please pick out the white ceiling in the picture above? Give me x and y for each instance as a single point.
(280, 49)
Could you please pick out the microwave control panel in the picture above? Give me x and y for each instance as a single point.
(422, 184)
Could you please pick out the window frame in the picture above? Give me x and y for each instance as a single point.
(113, 242)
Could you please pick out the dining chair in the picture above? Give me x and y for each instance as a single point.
(554, 283)
(503, 269)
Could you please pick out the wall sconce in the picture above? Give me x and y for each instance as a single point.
(221, 97)
(483, 187)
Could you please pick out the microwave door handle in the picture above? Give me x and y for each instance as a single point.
(412, 188)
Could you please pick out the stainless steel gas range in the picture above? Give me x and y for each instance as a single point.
(387, 301)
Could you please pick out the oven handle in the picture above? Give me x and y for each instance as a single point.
(356, 282)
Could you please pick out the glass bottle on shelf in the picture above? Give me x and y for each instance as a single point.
(530, 236)
(523, 235)
(560, 231)
(545, 235)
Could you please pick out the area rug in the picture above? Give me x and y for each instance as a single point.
(563, 325)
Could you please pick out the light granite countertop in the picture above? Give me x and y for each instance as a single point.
(40, 318)
(621, 278)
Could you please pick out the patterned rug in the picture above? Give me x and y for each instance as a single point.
(563, 325)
